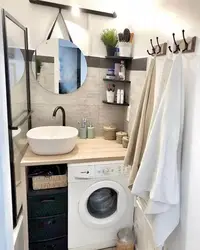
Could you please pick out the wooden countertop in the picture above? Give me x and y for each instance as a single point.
(85, 151)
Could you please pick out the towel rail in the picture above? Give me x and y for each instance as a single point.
(22, 121)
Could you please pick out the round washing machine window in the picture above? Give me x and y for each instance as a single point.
(103, 204)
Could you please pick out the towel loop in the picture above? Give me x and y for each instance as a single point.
(159, 47)
(186, 43)
(153, 49)
(176, 44)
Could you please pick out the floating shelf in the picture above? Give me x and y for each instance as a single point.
(117, 104)
(119, 57)
(115, 80)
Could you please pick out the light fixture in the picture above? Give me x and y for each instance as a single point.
(75, 11)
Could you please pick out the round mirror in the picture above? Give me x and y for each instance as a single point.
(60, 66)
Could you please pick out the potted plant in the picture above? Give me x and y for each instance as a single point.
(110, 39)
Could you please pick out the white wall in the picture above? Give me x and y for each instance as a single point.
(39, 20)
(6, 227)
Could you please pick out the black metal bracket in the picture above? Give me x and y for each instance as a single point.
(68, 7)
(54, 24)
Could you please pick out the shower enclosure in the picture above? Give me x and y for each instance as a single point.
(16, 56)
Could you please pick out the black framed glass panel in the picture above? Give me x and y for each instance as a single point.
(15, 39)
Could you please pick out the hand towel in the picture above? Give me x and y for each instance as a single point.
(159, 172)
(139, 133)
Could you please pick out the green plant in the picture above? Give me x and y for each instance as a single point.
(109, 37)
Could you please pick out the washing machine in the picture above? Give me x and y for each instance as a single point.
(99, 204)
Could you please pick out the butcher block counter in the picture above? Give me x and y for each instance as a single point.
(89, 150)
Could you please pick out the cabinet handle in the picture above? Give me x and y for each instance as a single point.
(48, 200)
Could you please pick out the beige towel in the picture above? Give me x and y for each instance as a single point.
(139, 133)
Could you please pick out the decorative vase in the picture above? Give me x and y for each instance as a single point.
(110, 50)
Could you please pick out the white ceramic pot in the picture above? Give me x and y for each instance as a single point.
(125, 49)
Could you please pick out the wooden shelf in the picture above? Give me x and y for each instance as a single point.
(119, 58)
(117, 104)
(115, 80)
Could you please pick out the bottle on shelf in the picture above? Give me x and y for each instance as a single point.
(118, 96)
(121, 96)
(122, 73)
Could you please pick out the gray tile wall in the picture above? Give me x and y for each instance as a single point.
(85, 102)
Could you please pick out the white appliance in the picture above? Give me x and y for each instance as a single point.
(99, 204)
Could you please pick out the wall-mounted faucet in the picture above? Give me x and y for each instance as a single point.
(63, 113)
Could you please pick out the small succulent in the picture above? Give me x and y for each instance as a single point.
(109, 37)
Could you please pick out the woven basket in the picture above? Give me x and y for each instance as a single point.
(109, 132)
(49, 182)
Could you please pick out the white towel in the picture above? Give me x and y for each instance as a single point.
(159, 172)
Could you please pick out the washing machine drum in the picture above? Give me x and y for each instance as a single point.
(102, 203)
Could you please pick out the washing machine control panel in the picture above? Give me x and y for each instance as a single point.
(86, 171)
(108, 169)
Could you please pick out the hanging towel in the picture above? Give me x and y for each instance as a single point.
(140, 129)
(159, 173)
(160, 85)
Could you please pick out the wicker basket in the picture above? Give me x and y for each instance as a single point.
(49, 182)
(119, 136)
(109, 132)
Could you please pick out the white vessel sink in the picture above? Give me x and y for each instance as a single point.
(52, 140)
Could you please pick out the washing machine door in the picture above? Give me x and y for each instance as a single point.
(103, 204)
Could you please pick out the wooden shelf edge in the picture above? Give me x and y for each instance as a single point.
(116, 104)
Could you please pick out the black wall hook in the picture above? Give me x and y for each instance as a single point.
(159, 47)
(186, 43)
(176, 44)
(153, 49)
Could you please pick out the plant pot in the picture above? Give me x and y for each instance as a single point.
(125, 49)
(110, 50)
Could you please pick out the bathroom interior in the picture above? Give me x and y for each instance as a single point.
(99, 131)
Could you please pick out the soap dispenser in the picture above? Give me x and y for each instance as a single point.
(91, 131)
(83, 129)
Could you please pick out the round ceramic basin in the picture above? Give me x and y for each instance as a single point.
(52, 140)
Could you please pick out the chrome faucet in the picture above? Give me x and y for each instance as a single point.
(63, 113)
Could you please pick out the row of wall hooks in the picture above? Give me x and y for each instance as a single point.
(177, 46)
(161, 49)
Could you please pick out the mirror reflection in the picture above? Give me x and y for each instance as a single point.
(16, 64)
(61, 67)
